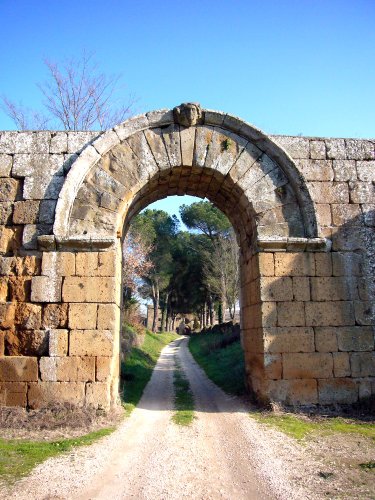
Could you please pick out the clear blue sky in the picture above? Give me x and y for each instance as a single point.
(287, 66)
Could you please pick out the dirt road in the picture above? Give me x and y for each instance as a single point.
(221, 455)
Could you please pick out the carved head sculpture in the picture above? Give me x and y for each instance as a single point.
(188, 114)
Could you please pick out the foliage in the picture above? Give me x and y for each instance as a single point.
(221, 271)
(184, 400)
(137, 368)
(299, 426)
(18, 458)
(77, 96)
(221, 356)
(136, 262)
(205, 217)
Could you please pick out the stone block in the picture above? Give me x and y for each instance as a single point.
(355, 338)
(336, 149)
(329, 192)
(359, 149)
(291, 314)
(108, 317)
(55, 316)
(58, 342)
(103, 368)
(89, 289)
(294, 264)
(292, 339)
(293, 392)
(341, 364)
(91, 343)
(301, 288)
(337, 391)
(58, 264)
(13, 394)
(187, 145)
(361, 192)
(307, 365)
(364, 312)
(44, 393)
(19, 288)
(346, 214)
(31, 232)
(329, 313)
(78, 140)
(98, 395)
(3, 289)
(27, 266)
(9, 189)
(344, 170)
(67, 369)
(268, 312)
(366, 171)
(26, 343)
(107, 263)
(323, 214)
(47, 211)
(266, 264)
(26, 212)
(317, 150)
(18, 369)
(82, 316)
(330, 288)
(363, 364)
(10, 239)
(368, 214)
(323, 264)
(365, 388)
(28, 316)
(347, 264)
(59, 143)
(6, 162)
(276, 289)
(46, 289)
(6, 209)
(316, 170)
(7, 315)
(297, 147)
(87, 264)
(325, 339)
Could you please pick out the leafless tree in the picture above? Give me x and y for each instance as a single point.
(221, 271)
(77, 96)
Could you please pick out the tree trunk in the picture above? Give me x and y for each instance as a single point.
(155, 300)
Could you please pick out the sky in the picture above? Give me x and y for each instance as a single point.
(297, 67)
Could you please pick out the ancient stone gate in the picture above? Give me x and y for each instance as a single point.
(303, 212)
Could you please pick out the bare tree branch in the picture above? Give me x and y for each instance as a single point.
(77, 96)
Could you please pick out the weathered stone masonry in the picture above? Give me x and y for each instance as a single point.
(303, 211)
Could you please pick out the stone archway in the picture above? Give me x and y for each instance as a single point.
(307, 314)
(207, 154)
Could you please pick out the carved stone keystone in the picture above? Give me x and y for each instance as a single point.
(188, 114)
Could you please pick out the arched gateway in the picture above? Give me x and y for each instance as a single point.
(298, 313)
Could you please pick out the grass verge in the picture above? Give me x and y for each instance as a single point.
(137, 369)
(300, 427)
(221, 357)
(183, 400)
(18, 458)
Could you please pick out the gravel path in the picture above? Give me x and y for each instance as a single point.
(224, 454)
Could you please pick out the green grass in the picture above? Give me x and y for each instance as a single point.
(300, 427)
(184, 401)
(18, 458)
(137, 369)
(223, 363)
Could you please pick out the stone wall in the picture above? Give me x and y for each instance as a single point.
(307, 313)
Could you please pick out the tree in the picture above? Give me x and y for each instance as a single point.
(205, 217)
(157, 229)
(221, 272)
(136, 263)
(77, 96)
